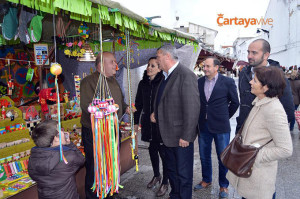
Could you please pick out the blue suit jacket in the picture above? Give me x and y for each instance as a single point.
(221, 105)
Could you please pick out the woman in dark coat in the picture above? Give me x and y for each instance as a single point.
(144, 102)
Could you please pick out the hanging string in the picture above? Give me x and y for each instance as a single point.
(101, 59)
(62, 157)
(105, 134)
(18, 60)
(54, 32)
(134, 156)
(8, 63)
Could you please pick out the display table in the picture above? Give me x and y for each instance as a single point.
(125, 161)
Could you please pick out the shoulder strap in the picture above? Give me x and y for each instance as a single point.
(265, 144)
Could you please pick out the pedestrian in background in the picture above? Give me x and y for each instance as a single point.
(295, 86)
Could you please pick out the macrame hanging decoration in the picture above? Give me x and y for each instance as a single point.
(105, 128)
(133, 134)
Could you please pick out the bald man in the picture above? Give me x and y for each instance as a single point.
(87, 90)
(258, 54)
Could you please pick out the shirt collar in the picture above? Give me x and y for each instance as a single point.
(265, 100)
(252, 68)
(215, 78)
(170, 70)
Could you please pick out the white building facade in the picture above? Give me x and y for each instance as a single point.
(284, 34)
(240, 47)
(206, 36)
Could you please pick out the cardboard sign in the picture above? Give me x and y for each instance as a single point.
(41, 54)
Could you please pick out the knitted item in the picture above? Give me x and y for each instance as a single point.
(10, 24)
(24, 19)
(35, 28)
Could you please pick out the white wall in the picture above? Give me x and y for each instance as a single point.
(242, 47)
(285, 32)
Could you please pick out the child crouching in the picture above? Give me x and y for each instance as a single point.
(54, 178)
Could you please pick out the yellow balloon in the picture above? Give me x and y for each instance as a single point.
(55, 69)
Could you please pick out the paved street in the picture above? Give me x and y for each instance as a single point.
(287, 186)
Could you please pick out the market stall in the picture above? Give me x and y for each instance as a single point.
(36, 33)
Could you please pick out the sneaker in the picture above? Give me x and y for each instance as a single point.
(223, 192)
(202, 185)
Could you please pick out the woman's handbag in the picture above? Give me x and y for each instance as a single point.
(239, 158)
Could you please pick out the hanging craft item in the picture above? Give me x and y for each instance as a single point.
(30, 73)
(61, 28)
(35, 28)
(21, 75)
(28, 89)
(24, 18)
(56, 70)
(84, 30)
(21, 55)
(75, 48)
(50, 79)
(17, 93)
(105, 129)
(10, 24)
(10, 86)
(10, 83)
(121, 41)
(77, 86)
(4, 76)
(134, 155)
(3, 89)
(104, 121)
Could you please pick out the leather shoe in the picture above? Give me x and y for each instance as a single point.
(153, 182)
(202, 185)
(162, 190)
(223, 192)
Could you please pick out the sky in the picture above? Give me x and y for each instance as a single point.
(203, 12)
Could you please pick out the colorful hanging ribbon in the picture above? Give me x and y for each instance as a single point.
(62, 157)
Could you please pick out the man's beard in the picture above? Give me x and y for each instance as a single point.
(257, 63)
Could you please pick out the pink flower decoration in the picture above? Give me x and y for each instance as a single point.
(79, 44)
(70, 44)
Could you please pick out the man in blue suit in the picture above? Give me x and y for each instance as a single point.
(219, 101)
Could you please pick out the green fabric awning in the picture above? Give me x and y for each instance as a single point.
(113, 14)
